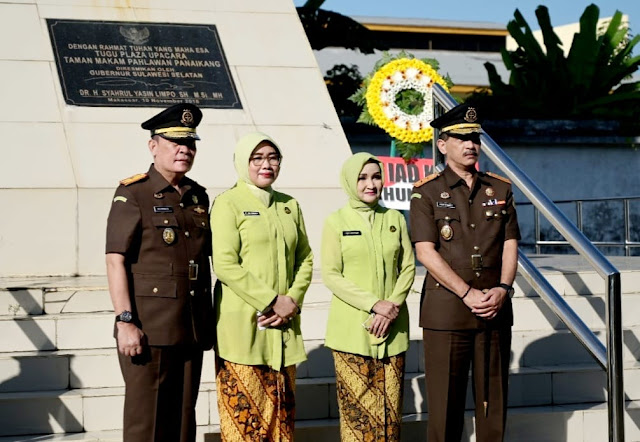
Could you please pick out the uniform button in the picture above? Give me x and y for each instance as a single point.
(203, 224)
(192, 293)
(186, 234)
(477, 274)
(437, 284)
(181, 204)
(446, 218)
(155, 290)
(470, 201)
(496, 215)
(473, 226)
(476, 248)
(504, 212)
(166, 221)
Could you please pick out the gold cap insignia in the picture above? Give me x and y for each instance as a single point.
(287, 210)
(490, 191)
(194, 199)
(187, 117)
(445, 195)
(471, 115)
(168, 235)
(392, 229)
(446, 232)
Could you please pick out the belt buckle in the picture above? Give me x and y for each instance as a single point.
(476, 262)
(193, 271)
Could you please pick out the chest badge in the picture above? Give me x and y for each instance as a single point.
(392, 229)
(490, 191)
(158, 195)
(287, 210)
(445, 195)
(169, 235)
(446, 232)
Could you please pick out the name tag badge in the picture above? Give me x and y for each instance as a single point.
(445, 205)
(162, 209)
(251, 213)
(351, 233)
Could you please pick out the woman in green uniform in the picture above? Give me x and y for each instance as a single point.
(263, 262)
(368, 264)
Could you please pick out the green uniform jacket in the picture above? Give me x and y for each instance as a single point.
(258, 253)
(362, 264)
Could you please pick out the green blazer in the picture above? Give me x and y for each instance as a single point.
(258, 253)
(362, 264)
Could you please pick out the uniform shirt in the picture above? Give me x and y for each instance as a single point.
(481, 219)
(362, 264)
(259, 252)
(161, 232)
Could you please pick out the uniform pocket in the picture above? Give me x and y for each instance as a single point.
(201, 221)
(165, 220)
(159, 288)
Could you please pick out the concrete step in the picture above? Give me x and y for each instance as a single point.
(581, 423)
(98, 367)
(98, 409)
(569, 274)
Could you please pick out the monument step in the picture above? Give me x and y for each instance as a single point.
(98, 409)
(26, 296)
(98, 367)
(577, 423)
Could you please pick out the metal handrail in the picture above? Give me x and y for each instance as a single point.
(626, 243)
(612, 363)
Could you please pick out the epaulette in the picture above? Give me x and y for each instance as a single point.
(426, 179)
(498, 177)
(133, 179)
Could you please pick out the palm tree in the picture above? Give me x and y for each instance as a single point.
(585, 84)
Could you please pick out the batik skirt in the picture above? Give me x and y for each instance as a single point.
(369, 397)
(255, 402)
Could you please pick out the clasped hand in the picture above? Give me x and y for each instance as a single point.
(282, 311)
(385, 313)
(485, 305)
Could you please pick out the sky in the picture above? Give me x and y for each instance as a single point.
(562, 12)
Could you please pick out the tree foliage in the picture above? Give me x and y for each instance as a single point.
(342, 81)
(327, 28)
(585, 84)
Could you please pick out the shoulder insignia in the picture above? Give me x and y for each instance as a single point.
(426, 179)
(133, 179)
(498, 177)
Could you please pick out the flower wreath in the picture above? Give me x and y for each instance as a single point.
(393, 78)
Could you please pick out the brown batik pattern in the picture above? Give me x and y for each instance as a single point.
(255, 402)
(369, 397)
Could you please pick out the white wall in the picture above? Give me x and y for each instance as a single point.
(61, 163)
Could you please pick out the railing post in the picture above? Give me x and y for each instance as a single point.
(615, 385)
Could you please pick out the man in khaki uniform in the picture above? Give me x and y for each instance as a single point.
(464, 227)
(158, 247)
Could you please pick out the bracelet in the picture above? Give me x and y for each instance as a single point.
(466, 293)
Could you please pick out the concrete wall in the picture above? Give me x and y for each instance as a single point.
(61, 163)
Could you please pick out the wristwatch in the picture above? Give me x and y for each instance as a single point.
(510, 290)
(125, 316)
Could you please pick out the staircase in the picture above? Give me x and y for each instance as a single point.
(60, 380)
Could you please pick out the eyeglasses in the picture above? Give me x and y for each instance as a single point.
(273, 160)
